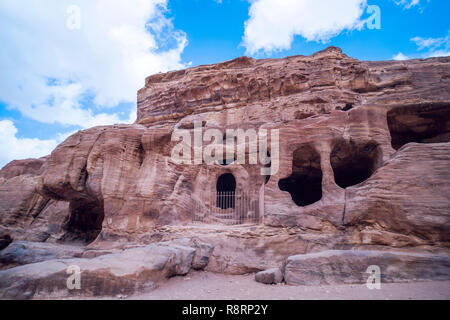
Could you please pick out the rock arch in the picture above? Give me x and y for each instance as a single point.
(84, 223)
(226, 183)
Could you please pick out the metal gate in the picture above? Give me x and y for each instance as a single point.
(228, 207)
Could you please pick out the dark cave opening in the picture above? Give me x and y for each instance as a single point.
(353, 164)
(347, 107)
(5, 240)
(269, 165)
(305, 182)
(421, 124)
(225, 191)
(85, 221)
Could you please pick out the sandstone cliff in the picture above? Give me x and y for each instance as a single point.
(364, 160)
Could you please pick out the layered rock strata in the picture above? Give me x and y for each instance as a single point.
(364, 158)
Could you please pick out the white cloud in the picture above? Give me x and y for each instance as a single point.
(433, 47)
(423, 43)
(407, 4)
(48, 70)
(400, 56)
(438, 53)
(430, 47)
(273, 24)
(12, 147)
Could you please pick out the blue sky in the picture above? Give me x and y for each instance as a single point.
(69, 65)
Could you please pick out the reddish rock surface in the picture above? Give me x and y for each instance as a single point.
(24, 213)
(108, 275)
(348, 266)
(364, 160)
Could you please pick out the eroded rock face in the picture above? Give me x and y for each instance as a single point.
(121, 179)
(249, 90)
(364, 158)
(408, 195)
(24, 213)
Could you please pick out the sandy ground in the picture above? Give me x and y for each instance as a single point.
(210, 286)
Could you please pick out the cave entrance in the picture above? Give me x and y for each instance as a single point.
(225, 191)
(421, 124)
(305, 182)
(354, 163)
(229, 205)
(85, 221)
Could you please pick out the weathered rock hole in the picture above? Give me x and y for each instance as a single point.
(5, 240)
(354, 163)
(225, 183)
(269, 165)
(140, 155)
(305, 182)
(347, 107)
(421, 124)
(85, 221)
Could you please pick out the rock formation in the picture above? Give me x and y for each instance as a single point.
(364, 164)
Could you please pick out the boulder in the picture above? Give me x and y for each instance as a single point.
(202, 254)
(24, 252)
(107, 275)
(351, 267)
(269, 276)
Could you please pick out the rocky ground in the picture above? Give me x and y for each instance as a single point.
(218, 265)
(201, 285)
(206, 285)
